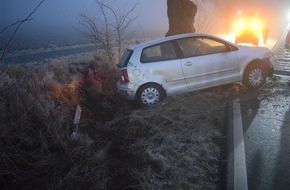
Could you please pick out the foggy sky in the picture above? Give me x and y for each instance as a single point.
(61, 17)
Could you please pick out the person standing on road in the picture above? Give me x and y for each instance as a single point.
(287, 41)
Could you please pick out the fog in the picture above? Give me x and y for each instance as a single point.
(57, 21)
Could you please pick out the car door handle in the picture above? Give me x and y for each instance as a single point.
(188, 63)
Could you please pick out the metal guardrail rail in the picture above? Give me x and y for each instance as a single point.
(280, 43)
(282, 66)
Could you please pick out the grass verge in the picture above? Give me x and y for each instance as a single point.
(173, 145)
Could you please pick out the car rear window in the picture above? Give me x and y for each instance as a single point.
(125, 58)
(159, 52)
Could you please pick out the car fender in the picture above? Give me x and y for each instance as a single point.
(157, 79)
(140, 75)
(249, 55)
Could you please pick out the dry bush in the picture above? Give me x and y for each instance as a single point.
(37, 105)
(98, 90)
(66, 94)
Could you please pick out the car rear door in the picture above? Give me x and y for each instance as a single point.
(207, 62)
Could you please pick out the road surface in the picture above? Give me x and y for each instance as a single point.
(266, 129)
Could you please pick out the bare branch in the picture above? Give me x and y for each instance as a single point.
(111, 29)
(11, 25)
(18, 23)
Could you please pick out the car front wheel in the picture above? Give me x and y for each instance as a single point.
(150, 94)
(255, 77)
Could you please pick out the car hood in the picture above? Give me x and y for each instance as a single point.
(255, 52)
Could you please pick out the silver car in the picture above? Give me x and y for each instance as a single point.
(151, 71)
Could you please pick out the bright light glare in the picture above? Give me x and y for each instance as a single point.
(289, 15)
(248, 24)
(240, 26)
(256, 25)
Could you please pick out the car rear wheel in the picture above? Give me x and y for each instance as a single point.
(255, 77)
(150, 94)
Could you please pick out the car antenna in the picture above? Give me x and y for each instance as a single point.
(137, 42)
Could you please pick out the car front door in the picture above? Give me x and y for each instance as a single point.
(207, 62)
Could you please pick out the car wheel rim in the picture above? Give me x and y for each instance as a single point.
(256, 77)
(150, 96)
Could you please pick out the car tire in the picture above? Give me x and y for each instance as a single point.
(255, 77)
(150, 94)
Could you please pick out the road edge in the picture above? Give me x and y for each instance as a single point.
(240, 170)
(236, 176)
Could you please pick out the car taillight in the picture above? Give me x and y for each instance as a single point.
(125, 77)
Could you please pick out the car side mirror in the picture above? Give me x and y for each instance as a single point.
(232, 48)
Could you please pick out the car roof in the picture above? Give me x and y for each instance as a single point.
(173, 37)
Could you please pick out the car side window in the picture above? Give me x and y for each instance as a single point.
(197, 46)
(159, 52)
(190, 47)
(214, 46)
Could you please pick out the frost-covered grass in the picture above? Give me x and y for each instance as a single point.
(173, 145)
(50, 48)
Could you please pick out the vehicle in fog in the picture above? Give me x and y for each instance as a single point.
(249, 28)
